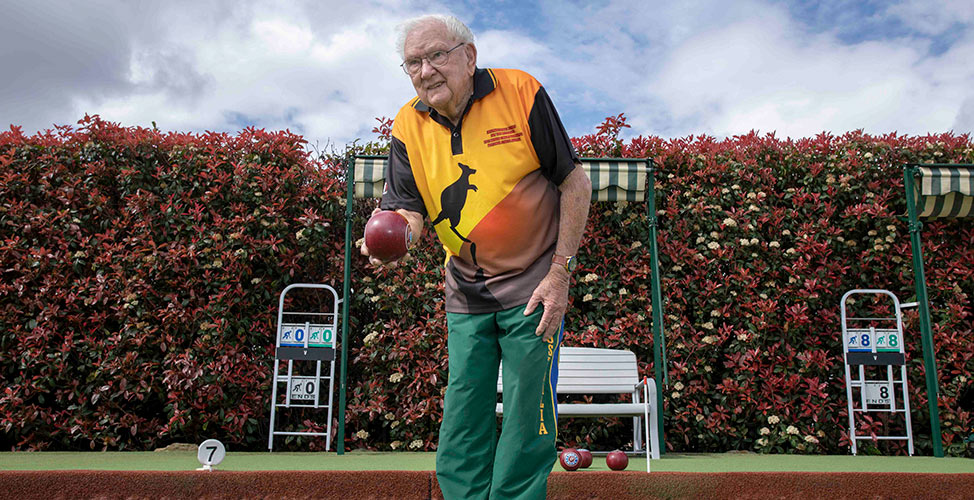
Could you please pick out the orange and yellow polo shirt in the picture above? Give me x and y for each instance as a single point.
(488, 185)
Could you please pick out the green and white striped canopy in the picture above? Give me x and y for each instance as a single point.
(369, 176)
(613, 179)
(945, 191)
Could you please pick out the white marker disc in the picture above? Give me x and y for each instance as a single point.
(211, 452)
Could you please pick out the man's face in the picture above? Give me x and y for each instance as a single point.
(447, 87)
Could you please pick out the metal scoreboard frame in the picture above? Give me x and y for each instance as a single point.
(302, 343)
(872, 347)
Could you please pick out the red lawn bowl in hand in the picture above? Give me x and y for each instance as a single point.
(617, 460)
(570, 459)
(586, 459)
(387, 236)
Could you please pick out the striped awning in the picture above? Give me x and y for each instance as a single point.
(613, 179)
(945, 191)
(369, 176)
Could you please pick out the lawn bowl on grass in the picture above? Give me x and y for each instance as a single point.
(570, 459)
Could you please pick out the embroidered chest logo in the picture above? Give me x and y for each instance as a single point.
(498, 136)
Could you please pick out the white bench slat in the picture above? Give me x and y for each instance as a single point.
(594, 372)
(582, 385)
(594, 410)
(574, 361)
(597, 353)
(621, 378)
(582, 388)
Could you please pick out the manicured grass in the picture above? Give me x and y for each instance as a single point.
(753, 462)
(408, 461)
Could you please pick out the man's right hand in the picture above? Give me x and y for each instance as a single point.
(415, 221)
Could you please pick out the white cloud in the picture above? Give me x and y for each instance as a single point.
(965, 116)
(950, 82)
(725, 69)
(757, 74)
(283, 37)
(933, 17)
(510, 49)
(326, 70)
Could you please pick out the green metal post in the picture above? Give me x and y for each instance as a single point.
(346, 300)
(929, 360)
(659, 347)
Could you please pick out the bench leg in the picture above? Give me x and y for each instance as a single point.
(647, 444)
(637, 429)
(637, 434)
(652, 426)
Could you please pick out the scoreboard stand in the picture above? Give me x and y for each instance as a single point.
(874, 355)
(305, 341)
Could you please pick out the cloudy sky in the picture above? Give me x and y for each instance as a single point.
(327, 68)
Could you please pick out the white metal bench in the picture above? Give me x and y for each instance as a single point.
(588, 371)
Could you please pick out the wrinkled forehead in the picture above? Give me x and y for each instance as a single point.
(426, 38)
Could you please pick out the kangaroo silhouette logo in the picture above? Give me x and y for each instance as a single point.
(452, 200)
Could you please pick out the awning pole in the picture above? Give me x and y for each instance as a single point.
(929, 358)
(659, 346)
(346, 300)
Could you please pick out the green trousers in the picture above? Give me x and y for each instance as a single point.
(471, 461)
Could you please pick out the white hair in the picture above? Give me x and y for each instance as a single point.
(455, 26)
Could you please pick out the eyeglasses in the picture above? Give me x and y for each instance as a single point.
(436, 58)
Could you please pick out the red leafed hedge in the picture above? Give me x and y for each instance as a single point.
(141, 271)
(140, 274)
(759, 240)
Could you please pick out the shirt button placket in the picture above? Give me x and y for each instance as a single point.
(456, 142)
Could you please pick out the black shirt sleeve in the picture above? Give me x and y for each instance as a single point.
(551, 143)
(401, 190)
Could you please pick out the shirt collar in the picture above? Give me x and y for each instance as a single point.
(483, 84)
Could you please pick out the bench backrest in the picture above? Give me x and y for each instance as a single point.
(590, 370)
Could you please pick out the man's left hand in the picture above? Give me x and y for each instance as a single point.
(552, 293)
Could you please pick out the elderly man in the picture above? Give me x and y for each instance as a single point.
(483, 154)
